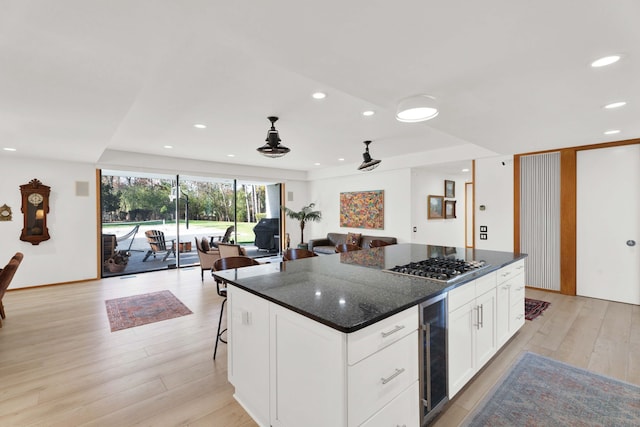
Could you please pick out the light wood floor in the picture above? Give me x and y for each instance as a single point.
(61, 366)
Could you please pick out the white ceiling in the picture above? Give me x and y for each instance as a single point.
(81, 77)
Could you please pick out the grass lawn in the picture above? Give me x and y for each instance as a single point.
(244, 229)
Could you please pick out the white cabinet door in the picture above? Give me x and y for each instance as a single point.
(461, 346)
(486, 343)
(248, 352)
(503, 313)
(308, 372)
(404, 410)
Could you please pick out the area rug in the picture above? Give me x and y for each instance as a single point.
(539, 391)
(142, 309)
(534, 308)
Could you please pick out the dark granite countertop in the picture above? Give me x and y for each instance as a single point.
(349, 291)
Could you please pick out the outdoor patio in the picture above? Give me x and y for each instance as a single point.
(189, 256)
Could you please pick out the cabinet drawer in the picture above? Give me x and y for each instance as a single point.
(404, 410)
(516, 290)
(485, 283)
(364, 342)
(377, 380)
(461, 296)
(511, 270)
(517, 316)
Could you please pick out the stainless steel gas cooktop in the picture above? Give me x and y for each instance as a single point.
(439, 269)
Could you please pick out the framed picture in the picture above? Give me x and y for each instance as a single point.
(450, 209)
(449, 189)
(435, 204)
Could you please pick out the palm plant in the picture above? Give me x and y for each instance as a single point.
(303, 215)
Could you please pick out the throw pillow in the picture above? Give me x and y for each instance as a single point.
(205, 244)
(354, 238)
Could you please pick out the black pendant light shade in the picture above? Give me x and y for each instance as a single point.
(273, 148)
(368, 163)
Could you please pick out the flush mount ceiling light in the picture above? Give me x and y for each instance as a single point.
(273, 148)
(612, 132)
(607, 60)
(417, 108)
(200, 126)
(319, 95)
(368, 163)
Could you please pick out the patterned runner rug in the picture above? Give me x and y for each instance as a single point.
(539, 391)
(142, 309)
(534, 308)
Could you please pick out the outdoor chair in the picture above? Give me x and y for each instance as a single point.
(6, 275)
(224, 239)
(226, 264)
(159, 244)
(346, 247)
(291, 254)
(206, 255)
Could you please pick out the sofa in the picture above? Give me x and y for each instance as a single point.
(328, 244)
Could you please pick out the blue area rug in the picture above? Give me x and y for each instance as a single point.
(539, 391)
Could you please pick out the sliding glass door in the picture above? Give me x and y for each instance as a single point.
(152, 222)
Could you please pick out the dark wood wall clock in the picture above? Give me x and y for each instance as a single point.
(35, 207)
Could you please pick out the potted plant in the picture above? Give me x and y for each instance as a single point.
(303, 216)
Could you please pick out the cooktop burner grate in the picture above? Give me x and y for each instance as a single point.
(439, 269)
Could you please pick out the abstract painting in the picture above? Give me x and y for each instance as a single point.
(362, 209)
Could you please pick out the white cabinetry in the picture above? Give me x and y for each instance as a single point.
(483, 315)
(510, 291)
(308, 374)
(471, 330)
(248, 351)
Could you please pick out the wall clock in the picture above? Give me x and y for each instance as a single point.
(35, 207)
(5, 213)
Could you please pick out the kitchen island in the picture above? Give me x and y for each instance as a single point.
(333, 340)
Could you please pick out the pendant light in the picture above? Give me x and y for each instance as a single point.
(368, 164)
(273, 148)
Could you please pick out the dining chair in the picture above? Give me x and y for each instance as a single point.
(346, 247)
(227, 264)
(291, 254)
(6, 275)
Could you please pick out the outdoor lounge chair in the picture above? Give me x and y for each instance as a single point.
(159, 244)
(225, 239)
(206, 255)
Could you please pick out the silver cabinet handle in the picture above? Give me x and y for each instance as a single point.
(481, 316)
(392, 376)
(505, 274)
(520, 288)
(393, 331)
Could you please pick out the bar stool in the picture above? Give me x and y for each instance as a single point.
(226, 264)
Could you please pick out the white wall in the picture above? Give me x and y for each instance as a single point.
(71, 253)
(325, 193)
(494, 189)
(298, 191)
(445, 232)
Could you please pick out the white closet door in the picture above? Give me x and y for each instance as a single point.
(608, 222)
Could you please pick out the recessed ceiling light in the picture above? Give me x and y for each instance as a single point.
(465, 170)
(9, 149)
(168, 146)
(607, 60)
(612, 131)
(200, 126)
(319, 95)
(615, 105)
(231, 155)
(316, 164)
(341, 159)
(368, 113)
